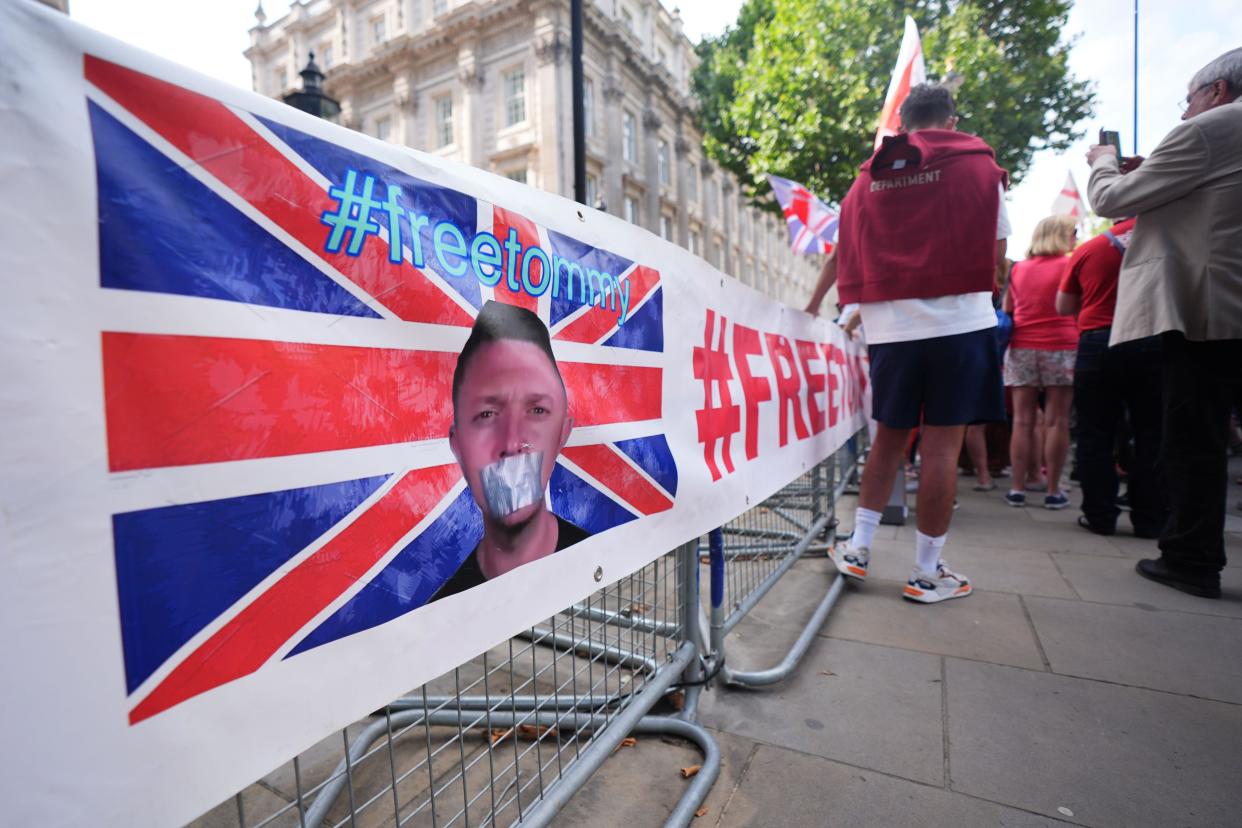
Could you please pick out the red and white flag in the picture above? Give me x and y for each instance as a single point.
(812, 224)
(909, 72)
(1069, 201)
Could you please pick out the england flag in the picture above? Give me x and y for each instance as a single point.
(909, 72)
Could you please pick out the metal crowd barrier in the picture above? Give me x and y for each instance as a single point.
(750, 554)
(509, 737)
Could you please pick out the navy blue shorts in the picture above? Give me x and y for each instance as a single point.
(948, 380)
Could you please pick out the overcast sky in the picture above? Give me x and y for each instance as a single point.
(1175, 39)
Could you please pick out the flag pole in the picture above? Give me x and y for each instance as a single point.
(1136, 50)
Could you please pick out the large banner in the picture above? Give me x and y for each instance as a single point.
(295, 420)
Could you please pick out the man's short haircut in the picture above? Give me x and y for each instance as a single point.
(1227, 67)
(499, 321)
(927, 105)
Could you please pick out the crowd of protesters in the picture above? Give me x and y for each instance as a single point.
(1134, 336)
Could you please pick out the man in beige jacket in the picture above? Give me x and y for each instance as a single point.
(1182, 278)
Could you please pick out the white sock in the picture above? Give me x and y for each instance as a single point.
(865, 523)
(927, 552)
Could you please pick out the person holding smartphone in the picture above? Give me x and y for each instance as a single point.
(1181, 279)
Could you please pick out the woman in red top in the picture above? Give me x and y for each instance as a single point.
(1041, 355)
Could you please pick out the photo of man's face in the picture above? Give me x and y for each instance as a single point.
(511, 420)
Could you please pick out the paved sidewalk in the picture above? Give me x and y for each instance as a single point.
(1067, 689)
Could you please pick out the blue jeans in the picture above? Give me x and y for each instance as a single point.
(1109, 384)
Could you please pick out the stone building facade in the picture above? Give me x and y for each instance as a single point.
(488, 82)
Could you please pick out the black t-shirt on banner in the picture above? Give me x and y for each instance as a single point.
(470, 575)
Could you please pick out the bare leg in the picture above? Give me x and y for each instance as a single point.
(1056, 443)
(1025, 402)
(977, 448)
(1035, 473)
(939, 449)
(886, 455)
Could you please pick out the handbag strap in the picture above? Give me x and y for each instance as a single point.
(1116, 242)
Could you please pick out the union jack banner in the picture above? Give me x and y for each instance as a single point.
(234, 517)
(212, 203)
(812, 225)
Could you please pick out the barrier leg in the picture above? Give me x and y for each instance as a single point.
(895, 511)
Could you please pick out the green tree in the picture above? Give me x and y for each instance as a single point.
(796, 87)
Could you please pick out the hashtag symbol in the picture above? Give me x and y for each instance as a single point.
(353, 214)
(717, 422)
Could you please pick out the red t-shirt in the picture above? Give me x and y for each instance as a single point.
(1033, 285)
(1092, 274)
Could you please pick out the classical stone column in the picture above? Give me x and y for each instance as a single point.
(707, 198)
(651, 168)
(769, 267)
(728, 223)
(681, 147)
(614, 169)
(467, 122)
(406, 104)
(553, 91)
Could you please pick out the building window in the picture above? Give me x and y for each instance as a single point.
(663, 157)
(588, 106)
(281, 77)
(325, 55)
(661, 57)
(517, 174)
(383, 128)
(378, 31)
(629, 137)
(692, 181)
(628, 19)
(694, 243)
(666, 227)
(439, 7)
(515, 97)
(592, 190)
(631, 210)
(444, 121)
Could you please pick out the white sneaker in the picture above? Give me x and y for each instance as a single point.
(850, 561)
(930, 589)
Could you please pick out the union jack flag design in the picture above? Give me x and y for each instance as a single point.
(812, 225)
(207, 201)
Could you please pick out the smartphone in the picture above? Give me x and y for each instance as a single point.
(1112, 138)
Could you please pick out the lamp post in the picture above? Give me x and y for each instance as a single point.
(575, 62)
(312, 98)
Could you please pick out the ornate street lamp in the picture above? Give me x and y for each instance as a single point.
(312, 98)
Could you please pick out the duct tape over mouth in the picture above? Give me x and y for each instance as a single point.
(512, 483)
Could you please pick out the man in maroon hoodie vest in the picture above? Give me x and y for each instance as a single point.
(921, 232)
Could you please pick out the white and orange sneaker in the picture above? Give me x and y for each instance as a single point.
(850, 561)
(930, 589)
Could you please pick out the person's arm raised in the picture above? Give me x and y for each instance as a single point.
(827, 278)
(1175, 168)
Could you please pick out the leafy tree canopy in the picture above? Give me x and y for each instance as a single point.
(796, 87)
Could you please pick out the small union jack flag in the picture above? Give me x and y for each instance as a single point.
(812, 226)
(218, 209)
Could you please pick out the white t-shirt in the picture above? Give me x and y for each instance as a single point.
(904, 320)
